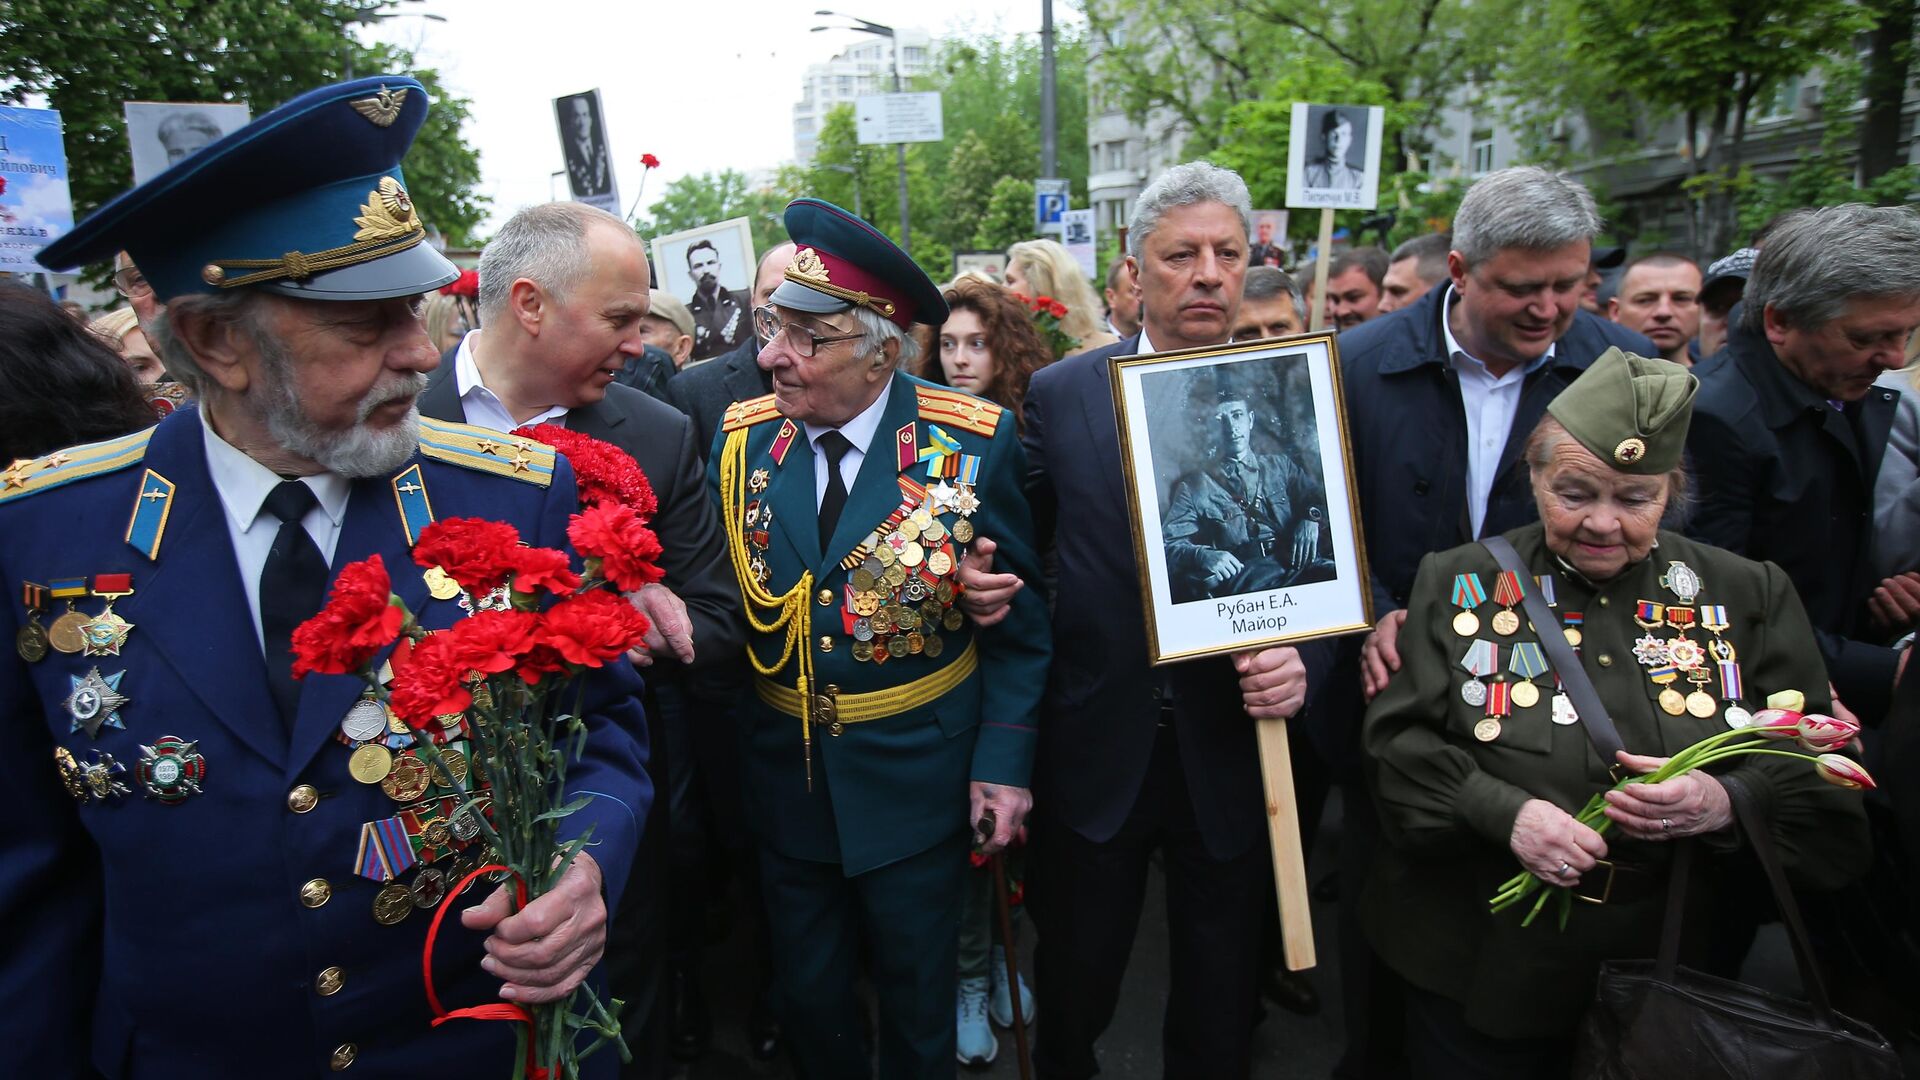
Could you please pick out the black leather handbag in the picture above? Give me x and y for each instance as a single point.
(1656, 1020)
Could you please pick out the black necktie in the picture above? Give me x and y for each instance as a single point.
(293, 584)
(835, 446)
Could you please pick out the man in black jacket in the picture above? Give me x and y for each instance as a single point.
(563, 288)
(1441, 397)
(1788, 433)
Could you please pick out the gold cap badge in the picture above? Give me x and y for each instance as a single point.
(383, 108)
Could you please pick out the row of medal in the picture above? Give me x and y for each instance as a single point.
(1668, 660)
(430, 833)
(1526, 660)
(902, 580)
(169, 771)
(73, 631)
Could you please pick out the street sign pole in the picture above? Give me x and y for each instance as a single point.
(900, 156)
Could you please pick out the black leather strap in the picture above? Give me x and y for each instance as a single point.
(1573, 678)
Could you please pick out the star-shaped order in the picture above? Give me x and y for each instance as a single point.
(95, 702)
(945, 496)
(105, 634)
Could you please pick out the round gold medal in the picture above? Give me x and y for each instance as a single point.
(934, 646)
(939, 564)
(963, 531)
(914, 555)
(1701, 705)
(952, 619)
(897, 646)
(909, 529)
(391, 905)
(1487, 730)
(408, 779)
(862, 581)
(370, 764)
(1671, 702)
(1525, 694)
(916, 643)
(863, 651)
(68, 634)
(452, 763)
(31, 643)
(1573, 636)
(1466, 624)
(1506, 623)
(439, 585)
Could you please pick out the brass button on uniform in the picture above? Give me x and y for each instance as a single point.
(329, 981)
(302, 799)
(1606, 660)
(1603, 601)
(316, 893)
(825, 597)
(343, 1056)
(826, 643)
(837, 728)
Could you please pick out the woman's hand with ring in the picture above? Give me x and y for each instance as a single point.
(1687, 805)
(1552, 845)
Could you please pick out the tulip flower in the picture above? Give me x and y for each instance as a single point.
(1821, 733)
(1776, 723)
(1842, 772)
(1791, 700)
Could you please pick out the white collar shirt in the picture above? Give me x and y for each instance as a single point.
(859, 431)
(243, 485)
(1490, 403)
(481, 406)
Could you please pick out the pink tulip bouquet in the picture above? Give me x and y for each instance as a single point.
(1818, 736)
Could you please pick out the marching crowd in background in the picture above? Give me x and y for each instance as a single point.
(1710, 466)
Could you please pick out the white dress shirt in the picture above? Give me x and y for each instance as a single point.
(859, 431)
(1491, 404)
(483, 409)
(244, 485)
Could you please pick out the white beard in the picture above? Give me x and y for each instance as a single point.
(357, 452)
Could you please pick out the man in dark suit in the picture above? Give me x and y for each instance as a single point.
(1441, 397)
(548, 352)
(704, 391)
(1789, 432)
(1134, 759)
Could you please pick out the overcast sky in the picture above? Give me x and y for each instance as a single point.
(701, 84)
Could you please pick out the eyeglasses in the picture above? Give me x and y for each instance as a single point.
(129, 282)
(801, 339)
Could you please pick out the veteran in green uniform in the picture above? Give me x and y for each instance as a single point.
(882, 723)
(1480, 760)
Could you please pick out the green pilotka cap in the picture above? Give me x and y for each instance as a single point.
(1631, 411)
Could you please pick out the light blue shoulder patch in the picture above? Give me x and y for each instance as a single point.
(62, 467)
(486, 450)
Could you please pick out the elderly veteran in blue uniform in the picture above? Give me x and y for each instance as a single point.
(185, 871)
(883, 723)
(1481, 759)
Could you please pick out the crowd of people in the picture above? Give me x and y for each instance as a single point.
(900, 635)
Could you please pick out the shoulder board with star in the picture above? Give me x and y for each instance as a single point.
(29, 475)
(978, 415)
(747, 413)
(486, 450)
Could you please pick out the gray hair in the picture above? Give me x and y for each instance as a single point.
(1816, 261)
(1185, 185)
(1267, 282)
(1523, 207)
(546, 245)
(238, 308)
(880, 330)
(1431, 251)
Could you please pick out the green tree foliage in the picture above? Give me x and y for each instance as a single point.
(89, 56)
(692, 201)
(1009, 215)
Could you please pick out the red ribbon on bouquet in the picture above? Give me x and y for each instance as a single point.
(499, 1010)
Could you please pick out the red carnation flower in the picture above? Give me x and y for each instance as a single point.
(590, 629)
(432, 683)
(491, 641)
(467, 285)
(628, 551)
(544, 568)
(602, 471)
(360, 618)
(478, 554)
(1056, 309)
(649, 161)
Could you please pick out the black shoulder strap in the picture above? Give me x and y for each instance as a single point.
(1573, 678)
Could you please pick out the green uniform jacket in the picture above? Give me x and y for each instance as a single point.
(1448, 800)
(892, 787)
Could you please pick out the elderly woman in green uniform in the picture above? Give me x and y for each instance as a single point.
(1481, 761)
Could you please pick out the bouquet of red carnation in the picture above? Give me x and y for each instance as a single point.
(1047, 313)
(466, 285)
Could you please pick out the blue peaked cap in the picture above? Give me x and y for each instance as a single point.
(306, 201)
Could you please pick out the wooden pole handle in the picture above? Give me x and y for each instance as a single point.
(1289, 853)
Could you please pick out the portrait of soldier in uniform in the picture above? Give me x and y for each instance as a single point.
(1247, 517)
(584, 139)
(721, 316)
(1341, 132)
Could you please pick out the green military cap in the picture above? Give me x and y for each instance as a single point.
(1631, 411)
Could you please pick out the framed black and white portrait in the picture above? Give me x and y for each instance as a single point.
(583, 143)
(710, 269)
(162, 134)
(1333, 156)
(1240, 489)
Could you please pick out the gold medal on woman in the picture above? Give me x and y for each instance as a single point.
(1526, 695)
(1507, 592)
(1672, 702)
(1701, 705)
(1468, 594)
(1487, 730)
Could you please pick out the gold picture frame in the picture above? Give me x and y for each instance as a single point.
(1241, 500)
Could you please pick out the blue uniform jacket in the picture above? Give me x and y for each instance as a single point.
(172, 940)
(888, 788)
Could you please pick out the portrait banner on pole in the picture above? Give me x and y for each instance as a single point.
(36, 207)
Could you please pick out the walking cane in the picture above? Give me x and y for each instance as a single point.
(998, 861)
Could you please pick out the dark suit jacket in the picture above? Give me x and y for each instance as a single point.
(704, 392)
(1103, 700)
(1409, 434)
(661, 440)
(1785, 477)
